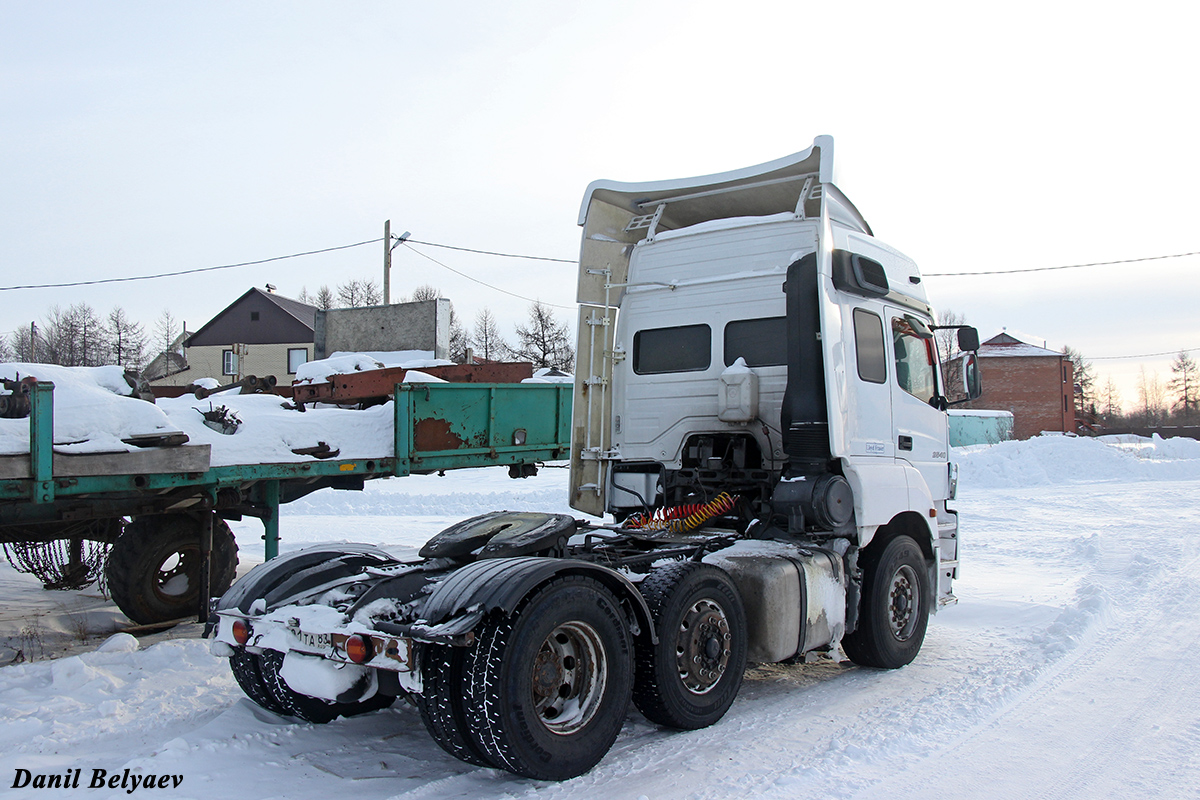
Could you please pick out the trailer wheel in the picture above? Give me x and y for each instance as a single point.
(895, 606)
(309, 709)
(547, 688)
(691, 677)
(441, 704)
(249, 676)
(153, 569)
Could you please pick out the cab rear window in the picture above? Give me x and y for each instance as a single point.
(685, 348)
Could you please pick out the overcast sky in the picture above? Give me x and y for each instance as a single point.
(146, 137)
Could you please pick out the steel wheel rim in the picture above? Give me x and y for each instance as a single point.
(569, 675)
(903, 603)
(702, 647)
(187, 560)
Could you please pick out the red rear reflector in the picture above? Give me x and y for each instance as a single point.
(241, 631)
(358, 649)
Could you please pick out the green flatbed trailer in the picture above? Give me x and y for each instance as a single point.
(175, 498)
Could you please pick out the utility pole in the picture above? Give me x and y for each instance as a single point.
(387, 258)
(33, 342)
(387, 262)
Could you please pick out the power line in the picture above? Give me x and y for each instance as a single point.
(1145, 355)
(484, 283)
(188, 271)
(491, 252)
(1067, 266)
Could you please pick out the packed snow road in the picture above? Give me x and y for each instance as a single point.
(1067, 670)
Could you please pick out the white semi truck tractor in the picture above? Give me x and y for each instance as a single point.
(760, 442)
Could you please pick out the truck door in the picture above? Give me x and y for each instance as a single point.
(921, 433)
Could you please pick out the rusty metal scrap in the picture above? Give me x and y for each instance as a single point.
(377, 385)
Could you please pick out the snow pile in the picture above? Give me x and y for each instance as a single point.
(269, 431)
(550, 375)
(93, 410)
(1050, 460)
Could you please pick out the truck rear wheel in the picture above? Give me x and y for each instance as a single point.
(249, 676)
(441, 704)
(691, 677)
(309, 709)
(895, 606)
(153, 569)
(547, 688)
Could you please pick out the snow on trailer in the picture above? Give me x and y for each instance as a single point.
(95, 465)
(757, 405)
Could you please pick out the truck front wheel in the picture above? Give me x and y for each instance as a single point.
(895, 606)
(547, 688)
(691, 677)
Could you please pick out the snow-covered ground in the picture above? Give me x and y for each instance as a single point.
(1068, 669)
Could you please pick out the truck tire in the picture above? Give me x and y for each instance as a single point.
(249, 676)
(153, 569)
(691, 677)
(894, 610)
(547, 688)
(309, 709)
(441, 704)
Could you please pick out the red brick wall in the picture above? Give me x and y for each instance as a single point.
(1038, 390)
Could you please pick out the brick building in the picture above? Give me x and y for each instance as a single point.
(1037, 385)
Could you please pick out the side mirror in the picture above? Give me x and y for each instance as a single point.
(962, 379)
(968, 339)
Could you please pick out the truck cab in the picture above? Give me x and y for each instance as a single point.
(746, 332)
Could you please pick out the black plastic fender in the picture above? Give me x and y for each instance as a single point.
(304, 568)
(470, 593)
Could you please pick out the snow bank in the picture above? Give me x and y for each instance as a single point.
(91, 404)
(1049, 460)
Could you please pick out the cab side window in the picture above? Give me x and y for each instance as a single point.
(914, 361)
(868, 346)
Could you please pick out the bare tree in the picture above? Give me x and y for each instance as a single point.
(545, 341)
(947, 338)
(305, 297)
(1151, 398)
(1110, 401)
(23, 346)
(458, 338)
(356, 293)
(485, 337)
(73, 337)
(1085, 377)
(6, 352)
(1185, 384)
(325, 299)
(425, 292)
(165, 332)
(126, 340)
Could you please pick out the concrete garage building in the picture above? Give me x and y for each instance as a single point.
(1035, 384)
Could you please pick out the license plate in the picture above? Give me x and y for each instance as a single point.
(314, 641)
